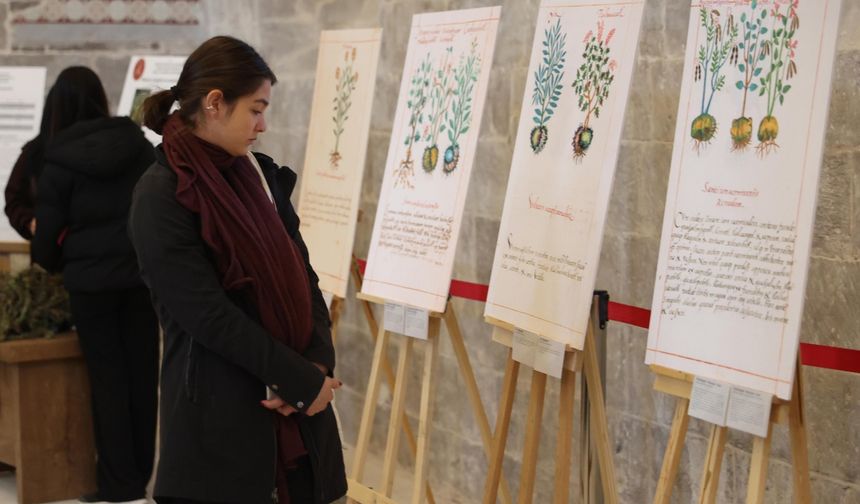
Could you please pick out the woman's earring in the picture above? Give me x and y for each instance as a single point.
(210, 107)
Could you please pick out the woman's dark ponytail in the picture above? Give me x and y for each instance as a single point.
(222, 62)
(156, 109)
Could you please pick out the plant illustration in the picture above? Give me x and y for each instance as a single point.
(548, 84)
(417, 99)
(441, 92)
(346, 79)
(459, 117)
(780, 50)
(592, 82)
(751, 52)
(713, 54)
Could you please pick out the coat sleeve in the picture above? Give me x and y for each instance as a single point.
(20, 207)
(52, 214)
(175, 266)
(321, 348)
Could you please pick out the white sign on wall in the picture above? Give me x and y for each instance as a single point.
(22, 95)
(433, 143)
(740, 206)
(563, 166)
(336, 148)
(147, 75)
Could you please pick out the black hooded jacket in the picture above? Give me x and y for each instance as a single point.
(85, 190)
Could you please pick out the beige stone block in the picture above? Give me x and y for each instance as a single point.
(677, 25)
(832, 232)
(653, 103)
(488, 184)
(849, 37)
(497, 110)
(516, 31)
(855, 212)
(629, 383)
(3, 35)
(385, 94)
(638, 197)
(291, 48)
(844, 102)
(111, 70)
(627, 269)
(832, 410)
(637, 447)
(830, 312)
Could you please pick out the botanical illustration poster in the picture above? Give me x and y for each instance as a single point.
(22, 92)
(147, 75)
(336, 148)
(740, 205)
(564, 159)
(433, 143)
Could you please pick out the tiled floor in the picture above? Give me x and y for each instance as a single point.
(402, 487)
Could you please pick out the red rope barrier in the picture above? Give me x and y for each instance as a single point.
(822, 356)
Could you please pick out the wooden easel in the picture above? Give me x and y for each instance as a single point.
(575, 361)
(335, 311)
(360, 492)
(680, 385)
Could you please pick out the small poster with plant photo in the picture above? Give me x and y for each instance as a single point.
(147, 75)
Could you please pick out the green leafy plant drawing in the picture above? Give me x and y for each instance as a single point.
(346, 79)
(417, 100)
(780, 50)
(441, 92)
(548, 84)
(750, 51)
(712, 55)
(459, 116)
(593, 80)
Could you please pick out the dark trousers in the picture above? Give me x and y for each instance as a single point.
(300, 481)
(118, 331)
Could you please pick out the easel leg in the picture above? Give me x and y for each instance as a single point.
(799, 448)
(503, 421)
(598, 420)
(713, 462)
(397, 409)
(532, 441)
(386, 367)
(366, 425)
(564, 441)
(472, 390)
(428, 389)
(335, 312)
(758, 467)
(674, 448)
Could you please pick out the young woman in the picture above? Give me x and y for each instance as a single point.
(91, 165)
(219, 247)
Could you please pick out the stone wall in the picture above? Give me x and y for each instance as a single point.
(286, 32)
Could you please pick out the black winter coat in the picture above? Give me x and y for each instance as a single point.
(217, 440)
(85, 191)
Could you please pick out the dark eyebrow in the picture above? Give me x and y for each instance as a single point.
(263, 101)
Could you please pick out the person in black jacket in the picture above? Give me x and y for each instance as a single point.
(247, 374)
(92, 163)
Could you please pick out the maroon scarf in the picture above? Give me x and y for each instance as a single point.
(253, 252)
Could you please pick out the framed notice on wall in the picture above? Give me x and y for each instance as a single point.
(433, 143)
(336, 148)
(22, 94)
(564, 161)
(740, 206)
(147, 75)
